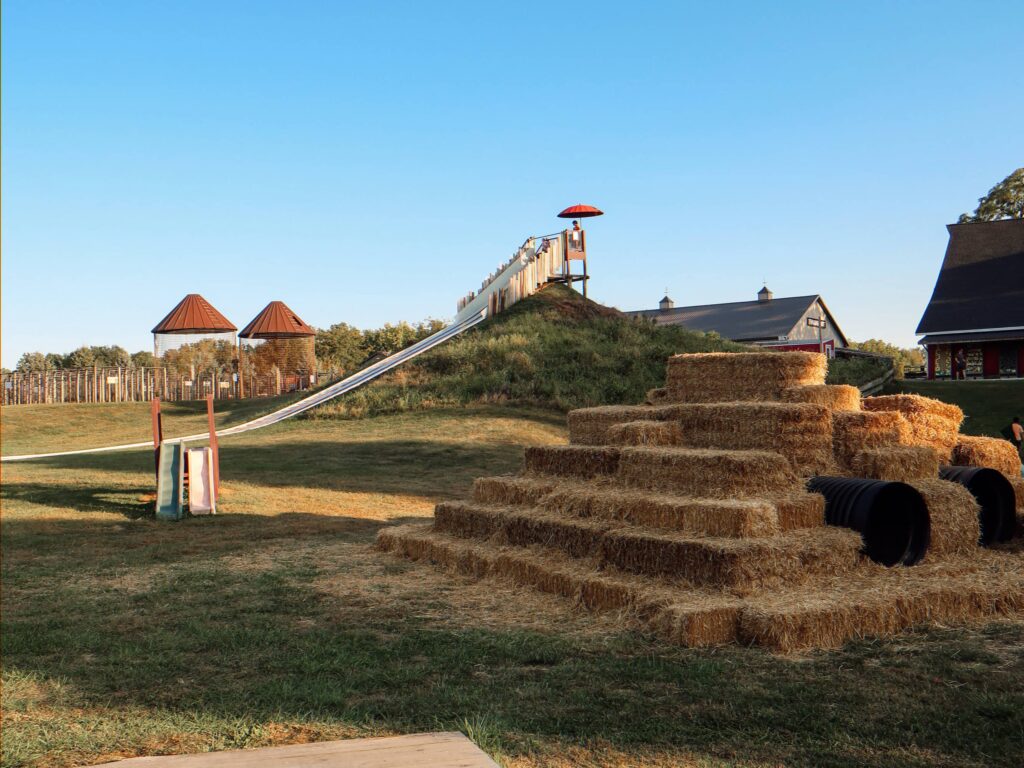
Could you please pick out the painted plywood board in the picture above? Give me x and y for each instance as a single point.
(424, 750)
(200, 481)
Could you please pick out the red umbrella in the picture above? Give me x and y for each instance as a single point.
(580, 212)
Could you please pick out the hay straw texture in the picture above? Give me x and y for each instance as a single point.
(645, 433)
(657, 396)
(511, 489)
(799, 509)
(835, 397)
(571, 460)
(1018, 490)
(989, 452)
(718, 377)
(734, 518)
(931, 422)
(953, 512)
(853, 432)
(901, 462)
(589, 426)
(706, 473)
(801, 432)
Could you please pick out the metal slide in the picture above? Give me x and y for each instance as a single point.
(469, 316)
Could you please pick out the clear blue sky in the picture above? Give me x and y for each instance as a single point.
(371, 162)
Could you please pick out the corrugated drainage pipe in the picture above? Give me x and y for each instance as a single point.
(995, 496)
(892, 518)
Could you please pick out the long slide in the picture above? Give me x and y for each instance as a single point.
(476, 309)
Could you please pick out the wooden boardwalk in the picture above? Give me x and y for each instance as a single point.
(425, 750)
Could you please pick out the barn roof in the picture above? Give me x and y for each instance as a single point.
(276, 321)
(194, 314)
(742, 320)
(981, 284)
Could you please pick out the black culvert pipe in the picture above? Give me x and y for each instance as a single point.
(892, 518)
(995, 497)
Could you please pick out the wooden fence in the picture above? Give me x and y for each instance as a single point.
(125, 385)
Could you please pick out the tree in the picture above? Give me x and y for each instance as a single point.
(31, 362)
(340, 346)
(901, 358)
(143, 359)
(1004, 201)
(83, 357)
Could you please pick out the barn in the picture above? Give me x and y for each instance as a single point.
(978, 302)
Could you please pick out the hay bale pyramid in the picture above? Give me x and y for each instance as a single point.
(690, 514)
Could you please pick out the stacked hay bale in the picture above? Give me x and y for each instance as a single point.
(690, 512)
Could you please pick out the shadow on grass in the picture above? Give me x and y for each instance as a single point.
(128, 502)
(417, 467)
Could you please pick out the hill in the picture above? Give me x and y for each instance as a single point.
(554, 349)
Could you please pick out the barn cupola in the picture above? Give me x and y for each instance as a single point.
(764, 294)
(666, 303)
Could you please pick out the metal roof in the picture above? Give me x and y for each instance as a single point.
(981, 283)
(276, 321)
(972, 336)
(194, 314)
(742, 320)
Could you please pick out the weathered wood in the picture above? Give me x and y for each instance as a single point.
(422, 750)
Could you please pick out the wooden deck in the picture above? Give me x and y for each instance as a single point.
(425, 750)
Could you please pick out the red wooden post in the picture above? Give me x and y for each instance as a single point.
(158, 432)
(214, 449)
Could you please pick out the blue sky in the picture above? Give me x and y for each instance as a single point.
(371, 162)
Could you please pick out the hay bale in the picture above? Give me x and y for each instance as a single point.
(644, 433)
(931, 422)
(571, 460)
(732, 518)
(799, 509)
(657, 396)
(468, 521)
(1018, 491)
(835, 397)
(574, 536)
(588, 426)
(853, 432)
(801, 432)
(901, 462)
(990, 452)
(705, 473)
(953, 512)
(692, 619)
(717, 377)
(741, 565)
(511, 490)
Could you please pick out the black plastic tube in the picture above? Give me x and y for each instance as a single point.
(995, 497)
(892, 518)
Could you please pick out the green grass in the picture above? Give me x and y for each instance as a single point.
(554, 349)
(988, 406)
(277, 622)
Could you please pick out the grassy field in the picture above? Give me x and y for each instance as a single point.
(988, 405)
(278, 622)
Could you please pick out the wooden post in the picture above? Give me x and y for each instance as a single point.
(214, 448)
(158, 433)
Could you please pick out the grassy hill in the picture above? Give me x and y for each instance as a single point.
(554, 349)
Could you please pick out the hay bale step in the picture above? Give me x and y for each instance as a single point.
(690, 617)
(581, 461)
(835, 397)
(856, 431)
(718, 377)
(704, 472)
(992, 452)
(512, 489)
(872, 602)
(901, 463)
(929, 421)
(589, 426)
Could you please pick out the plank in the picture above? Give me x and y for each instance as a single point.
(424, 750)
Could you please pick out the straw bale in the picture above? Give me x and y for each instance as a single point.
(696, 620)
(706, 473)
(644, 433)
(511, 489)
(716, 377)
(742, 565)
(467, 521)
(900, 462)
(575, 536)
(708, 517)
(953, 512)
(587, 426)
(658, 396)
(932, 422)
(417, 542)
(1018, 490)
(853, 432)
(802, 432)
(799, 509)
(835, 397)
(571, 460)
(991, 452)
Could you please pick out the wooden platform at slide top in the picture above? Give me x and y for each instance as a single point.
(425, 750)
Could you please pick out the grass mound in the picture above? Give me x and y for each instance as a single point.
(554, 349)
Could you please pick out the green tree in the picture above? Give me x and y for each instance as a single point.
(83, 357)
(1004, 201)
(341, 347)
(144, 359)
(31, 362)
(901, 357)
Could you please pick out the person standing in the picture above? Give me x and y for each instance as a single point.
(1017, 435)
(961, 363)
